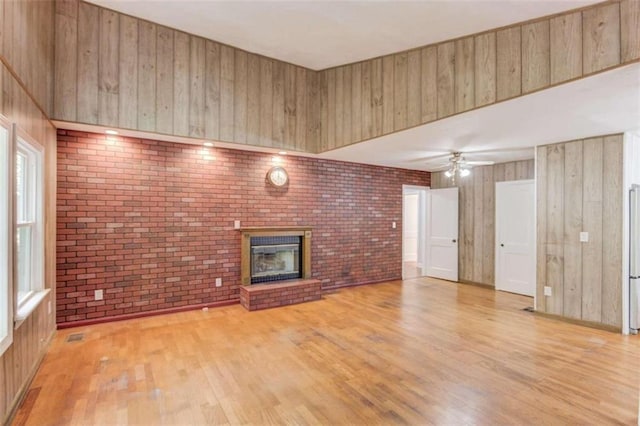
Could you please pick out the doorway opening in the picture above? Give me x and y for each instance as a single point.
(414, 201)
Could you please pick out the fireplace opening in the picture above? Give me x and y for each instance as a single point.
(275, 258)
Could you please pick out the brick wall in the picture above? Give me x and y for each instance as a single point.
(151, 222)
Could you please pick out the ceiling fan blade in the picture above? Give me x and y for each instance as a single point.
(479, 163)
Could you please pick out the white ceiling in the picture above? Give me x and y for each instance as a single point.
(319, 34)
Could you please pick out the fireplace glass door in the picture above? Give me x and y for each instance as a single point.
(275, 259)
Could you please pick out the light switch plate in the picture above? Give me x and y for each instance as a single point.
(218, 282)
(547, 290)
(98, 295)
(584, 237)
(236, 224)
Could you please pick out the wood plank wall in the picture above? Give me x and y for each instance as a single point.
(120, 71)
(579, 188)
(21, 360)
(115, 70)
(26, 42)
(26, 47)
(476, 211)
(406, 89)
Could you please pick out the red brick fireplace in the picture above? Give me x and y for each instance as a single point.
(275, 267)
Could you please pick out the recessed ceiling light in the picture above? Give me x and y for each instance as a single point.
(111, 132)
(282, 152)
(209, 144)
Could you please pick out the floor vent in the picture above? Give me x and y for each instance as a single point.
(78, 337)
(529, 309)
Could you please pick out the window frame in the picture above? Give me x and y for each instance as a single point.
(6, 240)
(35, 152)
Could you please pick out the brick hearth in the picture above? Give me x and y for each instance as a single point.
(264, 296)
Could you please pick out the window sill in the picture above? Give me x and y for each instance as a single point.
(29, 306)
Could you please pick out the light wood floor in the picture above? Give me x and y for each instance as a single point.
(415, 352)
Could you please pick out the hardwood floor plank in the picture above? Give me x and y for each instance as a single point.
(421, 351)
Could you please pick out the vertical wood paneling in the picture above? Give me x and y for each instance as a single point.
(428, 84)
(555, 228)
(339, 105)
(413, 88)
(612, 220)
(592, 223)
(542, 187)
(211, 90)
(266, 101)
(509, 67)
(227, 86)
(253, 99)
(566, 47)
(88, 41)
(356, 102)
(323, 85)
(304, 94)
(630, 30)
(278, 103)
(346, 106)
(464, 74)
(314, 111)
(485, 69)
(66, 48)
(377, 97)
(478, 222)
(108, 61)
(601, 32)
(164, 80)
(572, 250)
(146, 76)
(588, 181)
(197, 69)
(535, 56)
(367, 100)
(400, 91)
(290, 106)
(128, 73)
(241, 100)
(446, 79)
(388, 79)
(488, 226)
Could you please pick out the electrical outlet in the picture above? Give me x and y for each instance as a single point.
(393, 225)
(236, 224)
(218, 282)
(98, 295)
(584, 237)
(547, 290)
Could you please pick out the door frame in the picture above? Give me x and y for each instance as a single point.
(422, 223)
(535, 236)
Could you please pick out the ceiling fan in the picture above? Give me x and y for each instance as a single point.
(455, 160)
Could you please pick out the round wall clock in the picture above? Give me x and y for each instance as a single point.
(277, 176)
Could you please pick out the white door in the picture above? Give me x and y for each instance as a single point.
(410, 228)
(515, 237)
(442, 234)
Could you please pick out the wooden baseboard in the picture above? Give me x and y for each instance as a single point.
(124, 317)
(584, 323)
(17, 401)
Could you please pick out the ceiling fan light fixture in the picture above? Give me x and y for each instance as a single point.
(448, 173)
(465, 172)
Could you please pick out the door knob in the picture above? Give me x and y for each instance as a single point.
(501, 245)
(453, 241)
